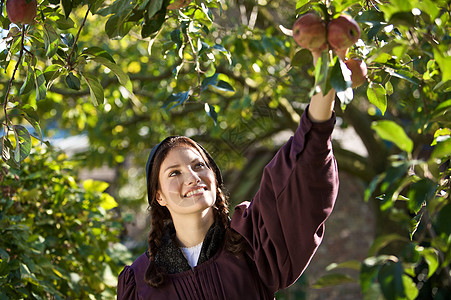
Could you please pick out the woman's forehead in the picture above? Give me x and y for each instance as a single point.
(183, 152)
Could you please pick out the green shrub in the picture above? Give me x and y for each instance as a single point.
(57, 239)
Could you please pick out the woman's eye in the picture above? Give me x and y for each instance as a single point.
(200, 165)
(174, 173)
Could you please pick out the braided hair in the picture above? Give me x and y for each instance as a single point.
(160, 216)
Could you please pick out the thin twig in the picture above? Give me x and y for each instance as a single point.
(16, 67)
(197, 64)
(77, 36)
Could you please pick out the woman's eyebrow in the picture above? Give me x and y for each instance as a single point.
(197, 159)
(172, 167)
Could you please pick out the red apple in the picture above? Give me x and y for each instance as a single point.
(309, 31)
(177, 4)
(21, 11)
(343, 32)
(358, 71)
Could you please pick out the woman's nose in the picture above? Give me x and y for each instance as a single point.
(191, 177)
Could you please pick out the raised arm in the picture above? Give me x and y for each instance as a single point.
(284, 222)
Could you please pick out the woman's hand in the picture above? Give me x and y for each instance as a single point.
(321, 106)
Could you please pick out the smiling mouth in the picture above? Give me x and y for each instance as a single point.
(195, 192)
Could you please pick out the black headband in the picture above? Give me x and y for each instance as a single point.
(150, 160)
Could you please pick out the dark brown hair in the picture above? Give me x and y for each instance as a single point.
(160, 216)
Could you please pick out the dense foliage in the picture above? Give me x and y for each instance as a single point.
(57, 240)
(229, 74)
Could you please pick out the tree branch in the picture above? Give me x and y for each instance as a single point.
(16, 67)
(69, 57)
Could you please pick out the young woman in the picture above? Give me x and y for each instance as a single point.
(195, 250)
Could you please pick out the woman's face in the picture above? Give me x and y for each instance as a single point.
(187, 185)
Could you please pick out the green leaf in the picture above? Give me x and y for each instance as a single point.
(207, 12)
(98, 52)
(212, 80)
(107, 201)
(153, 7)
(93, 186)
(41, 90)
(381, 57)
(390, 131)
(224, 86)
(28, 84)
(120, 74)
(410, 288)
(211, 112)
(33, 118)
(301, 3)
(413, 225)
(368, 272)
(6, 149)
(154, 24)
(370, 16)
(25, 271)
(388, 88)
(118, 7)
(391, 280)
(444, 220)
(4, 255)
(176, 37)
(23, 143)
(51, 39)
(419, 193)
(340, 76)
(429, 7)
(403, 74)
(372, 186)
(301, 58)
(349, 264)
(376, 95)
(431, 257)
(332, 280)
(68, 39)
(51, 73)
(178, 98)
(321, 70)
(442, 150)
(95, 88)
(403, 18)
(61, 22)
(340, 79)
(118, 25)
(73, 82)
(383, 241)
(444, 62)
(67, 7)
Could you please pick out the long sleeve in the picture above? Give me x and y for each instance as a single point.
(284, 222)
(126, 287)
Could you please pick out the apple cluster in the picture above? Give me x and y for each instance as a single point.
(310, 31)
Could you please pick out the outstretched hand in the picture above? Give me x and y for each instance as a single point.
(321, 106)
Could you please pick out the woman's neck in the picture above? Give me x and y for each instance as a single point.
(191, 229)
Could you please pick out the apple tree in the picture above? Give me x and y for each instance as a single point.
(228, 73)
(406, 132)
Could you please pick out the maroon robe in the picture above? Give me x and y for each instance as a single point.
(283, 225)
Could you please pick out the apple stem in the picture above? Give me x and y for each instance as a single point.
(16, 67)
(69, 57)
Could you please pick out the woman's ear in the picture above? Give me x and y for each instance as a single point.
(160, 199)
